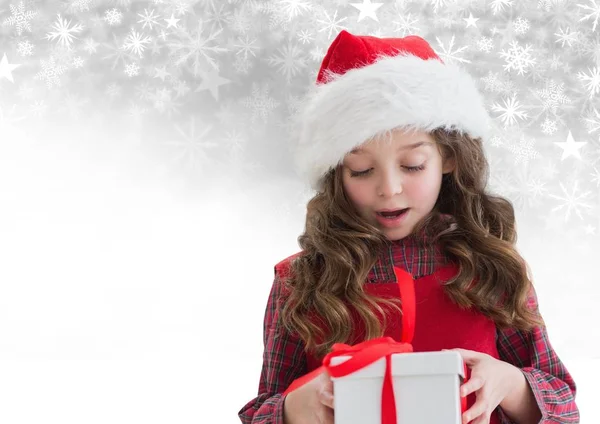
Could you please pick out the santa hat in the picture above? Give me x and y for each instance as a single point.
(367, 86)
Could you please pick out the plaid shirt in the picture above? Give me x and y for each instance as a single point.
(284, 359)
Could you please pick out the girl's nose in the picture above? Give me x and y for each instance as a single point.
(390, 184)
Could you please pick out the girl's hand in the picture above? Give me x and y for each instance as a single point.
(491, 380)
(311, 403)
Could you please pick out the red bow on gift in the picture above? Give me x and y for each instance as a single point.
(370, 351)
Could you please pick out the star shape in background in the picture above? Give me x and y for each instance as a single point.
(211, 80)
(7, 68)
(471, 21)
(570, 147)
(367, 9)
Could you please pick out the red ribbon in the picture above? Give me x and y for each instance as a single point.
(370, 351)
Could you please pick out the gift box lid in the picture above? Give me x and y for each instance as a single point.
(410, 364)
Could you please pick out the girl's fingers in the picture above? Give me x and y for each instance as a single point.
(482, 419)
(469, 356)
(326, 398)
(329, 385)
(479, 408)
(328, 416)
(474, 384)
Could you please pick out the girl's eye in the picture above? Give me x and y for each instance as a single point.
(408, 168)
(414, 168)
(359, 173)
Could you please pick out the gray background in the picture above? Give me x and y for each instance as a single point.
(146, 187)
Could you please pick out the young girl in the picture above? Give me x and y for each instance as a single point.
(391, 138)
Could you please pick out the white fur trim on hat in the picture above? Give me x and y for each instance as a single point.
(397, 91)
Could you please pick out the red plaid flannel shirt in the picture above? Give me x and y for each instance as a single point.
(284, 358)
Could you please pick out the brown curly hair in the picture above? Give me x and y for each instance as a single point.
(339, 248)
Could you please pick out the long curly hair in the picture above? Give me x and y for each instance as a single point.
(339, 248)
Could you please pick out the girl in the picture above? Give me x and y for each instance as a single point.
(392, 140)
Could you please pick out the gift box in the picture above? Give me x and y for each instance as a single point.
(382, 381)
(425, 389)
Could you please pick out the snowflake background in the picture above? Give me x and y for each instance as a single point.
(144, 147)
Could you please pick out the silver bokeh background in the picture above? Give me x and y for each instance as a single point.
(147, 189)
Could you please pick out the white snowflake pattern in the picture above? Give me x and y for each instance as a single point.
(132, 70)
(25, 48)
(549, 126)
(592, 81)
(246, 46)
(192, 146)
(136, 42)
(594, 9)
(544, 4)
(218, 18)
(148, 19)
(114, 90)
(135, 111)
(293, 8)
(518, 58)
(552, 95)
(316, 53)
(437, 4)
(241, 21)
(25, 91)
(242, 65)
(537, 187)
(90, 45)
(289, 61)
(521, 25)
(523, 150)
(20, 18)
(555, 62)
(64, 32)
(181, 88)
(38, 108)
(589, 48)
(113, 17)
(510, 111)
(406, 24)
(332, 24)
(119, 53)
(125, 4)
(499, 5)
(164, 102)
(492, 82)
(77, 62)
(525, 188)
(197, 46)
(447, 54)
(260, 103)
(235, 142)
(305, 36)
(565, 36)
(485, 44)
(50, 72)
(572, 200)
(181, 6)
(596, 177)
(592, 121)
(80, 5)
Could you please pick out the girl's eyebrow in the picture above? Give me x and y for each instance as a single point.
(407, 147)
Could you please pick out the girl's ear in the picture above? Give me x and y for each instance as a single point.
(448, 165)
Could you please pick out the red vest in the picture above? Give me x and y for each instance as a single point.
(439, 323)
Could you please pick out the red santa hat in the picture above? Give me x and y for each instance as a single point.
(368, 85)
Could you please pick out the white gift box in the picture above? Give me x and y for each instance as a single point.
(426, 389)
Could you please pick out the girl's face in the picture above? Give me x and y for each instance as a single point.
(406, 173)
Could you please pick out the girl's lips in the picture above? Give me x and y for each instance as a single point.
(392, 222)
(390, 210)
(387, 211)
